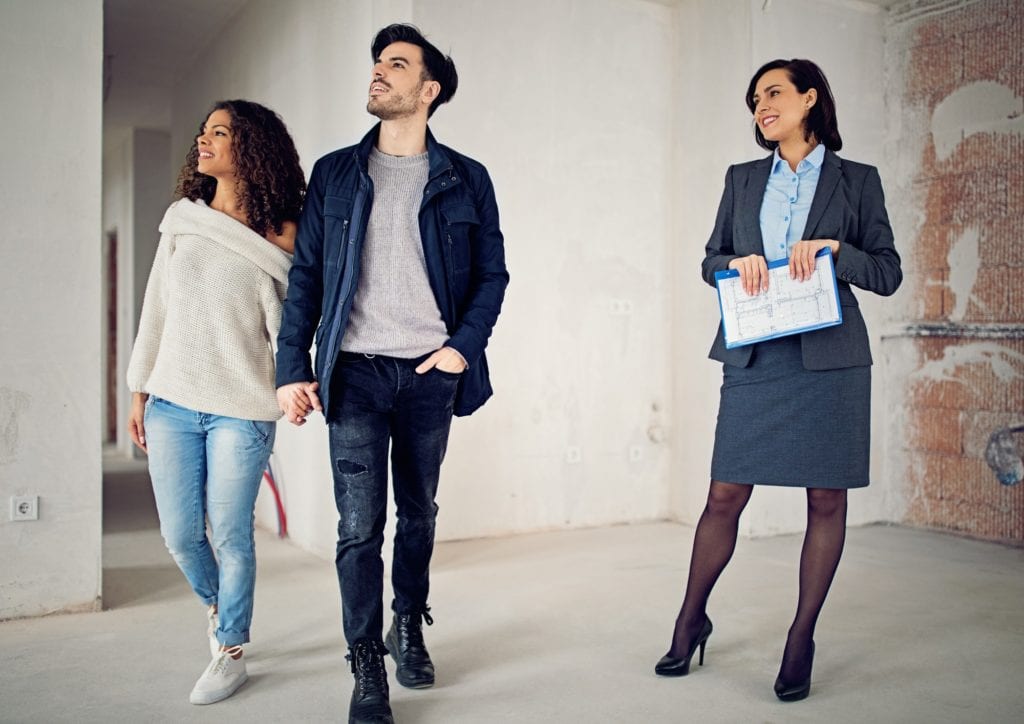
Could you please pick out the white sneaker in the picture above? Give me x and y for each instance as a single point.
(221, 679)
(211, 631)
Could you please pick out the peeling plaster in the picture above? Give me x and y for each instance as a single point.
(12, 404)
(964, 262)
(900, 361)
(981, 107)
(1006, 364)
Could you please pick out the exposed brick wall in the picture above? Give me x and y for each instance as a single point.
(953, 408)
(965, 262)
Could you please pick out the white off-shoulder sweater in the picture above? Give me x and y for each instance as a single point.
(210, 316)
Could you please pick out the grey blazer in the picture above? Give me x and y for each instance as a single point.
(848, 206)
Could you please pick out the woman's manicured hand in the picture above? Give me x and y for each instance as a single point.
(753, 273)
(801, 256)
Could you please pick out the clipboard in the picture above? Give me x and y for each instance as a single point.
(788, 307)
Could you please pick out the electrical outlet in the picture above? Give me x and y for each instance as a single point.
(621, 307)
(573, 454)
(24, 507)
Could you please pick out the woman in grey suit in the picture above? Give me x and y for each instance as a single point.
(794, 411)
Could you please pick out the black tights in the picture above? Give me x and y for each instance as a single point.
(714, 543)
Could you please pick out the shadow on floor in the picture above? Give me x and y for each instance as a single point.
(128, 503)
(124, 586)
(136, 569)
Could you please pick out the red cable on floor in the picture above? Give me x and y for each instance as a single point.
(282, 519)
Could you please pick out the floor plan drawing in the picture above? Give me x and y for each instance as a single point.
(788, 307)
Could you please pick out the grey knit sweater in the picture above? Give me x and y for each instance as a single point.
(394, 312)
(211, 312)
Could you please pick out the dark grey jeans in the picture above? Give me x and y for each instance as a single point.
(380, 400)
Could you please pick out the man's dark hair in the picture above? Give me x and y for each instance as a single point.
(821, 121)
(436, 65)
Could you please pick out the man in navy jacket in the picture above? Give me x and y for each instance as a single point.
(398, 278)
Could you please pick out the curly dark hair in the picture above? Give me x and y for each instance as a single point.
(271, 185)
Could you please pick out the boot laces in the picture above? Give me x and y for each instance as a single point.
(367, 661)
(410, 628)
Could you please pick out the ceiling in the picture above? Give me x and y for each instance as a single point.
(148, 46)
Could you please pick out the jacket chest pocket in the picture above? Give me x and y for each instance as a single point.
(337, 218)
(460, 227)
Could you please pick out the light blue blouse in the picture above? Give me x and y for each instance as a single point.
(787, 202)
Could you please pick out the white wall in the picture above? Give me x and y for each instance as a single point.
(151, 194)
(721, 45)
(50, 74)
(572, 118)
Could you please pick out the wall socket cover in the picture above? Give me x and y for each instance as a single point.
(24, 507)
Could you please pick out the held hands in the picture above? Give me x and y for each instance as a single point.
(136, 424)
(754, 270)
(298, 400)
(446, 359)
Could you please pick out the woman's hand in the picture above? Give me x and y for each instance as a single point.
(801, 256)
(753, 273)
(136, 423)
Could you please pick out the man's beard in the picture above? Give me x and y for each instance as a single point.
(398, 107)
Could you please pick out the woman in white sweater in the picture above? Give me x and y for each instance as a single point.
(201, 373)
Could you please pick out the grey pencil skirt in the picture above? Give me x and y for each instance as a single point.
(781, 424)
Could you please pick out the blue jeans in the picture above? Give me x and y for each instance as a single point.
(379, 400)
(210, 465)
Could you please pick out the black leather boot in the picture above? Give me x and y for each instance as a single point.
(405, 644)
(370, 697)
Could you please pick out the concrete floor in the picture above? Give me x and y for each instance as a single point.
(562, 626)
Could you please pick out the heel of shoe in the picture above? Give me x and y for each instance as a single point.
(795, 691)
(673, 666)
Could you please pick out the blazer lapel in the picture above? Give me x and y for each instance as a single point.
(830, 173)
(753, 196)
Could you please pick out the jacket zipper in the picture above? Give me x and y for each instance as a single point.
(450, 263)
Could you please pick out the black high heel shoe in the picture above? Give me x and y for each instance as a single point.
(672, 666)
(795, 691)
